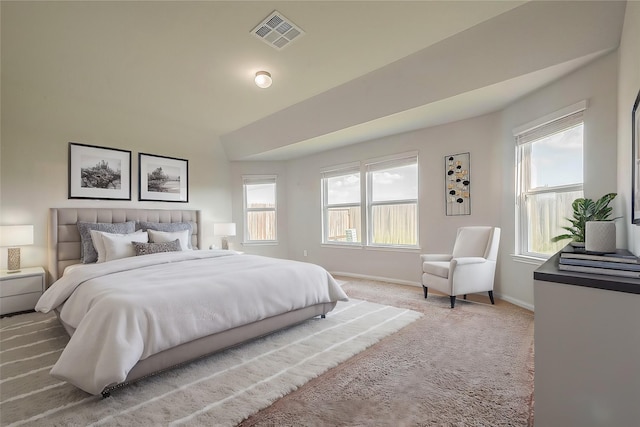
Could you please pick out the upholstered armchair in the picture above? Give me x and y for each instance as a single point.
(470, 268)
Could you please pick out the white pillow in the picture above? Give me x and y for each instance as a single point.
(156, 236)
(96, 238)
(117, 247)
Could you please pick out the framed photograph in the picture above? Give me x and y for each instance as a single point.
(162, 179)
(457, 184)
(99, 172)
(635, 167)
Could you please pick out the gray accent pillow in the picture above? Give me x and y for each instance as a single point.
(154, 248)
(88, 251)
(166, 226)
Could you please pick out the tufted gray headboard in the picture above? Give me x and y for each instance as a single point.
(64, 238)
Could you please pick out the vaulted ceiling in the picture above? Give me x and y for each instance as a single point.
(362, 70)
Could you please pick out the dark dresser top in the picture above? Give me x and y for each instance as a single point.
(549, 272)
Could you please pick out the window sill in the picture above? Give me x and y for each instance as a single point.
(411, 249)
(527, 259)
(269, 243)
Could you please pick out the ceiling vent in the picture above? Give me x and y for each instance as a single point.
(277, 31)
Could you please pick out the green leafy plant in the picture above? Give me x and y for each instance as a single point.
(586, 210)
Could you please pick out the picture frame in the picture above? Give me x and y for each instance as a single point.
(457, 184)
(99, 172)
(635, 166)
(162, 179)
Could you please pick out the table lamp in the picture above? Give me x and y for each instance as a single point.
(12, 236)
(224, 229)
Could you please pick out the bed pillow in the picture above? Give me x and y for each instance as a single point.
(154, 248)
(98, 243)
(183, 236)
(117, 247)
(167, 227)
(87, 250)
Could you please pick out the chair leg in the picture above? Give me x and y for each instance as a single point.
(491, 297)
(425, 291)
(453, 300)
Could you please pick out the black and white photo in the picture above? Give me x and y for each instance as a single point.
(163, 178)
(99, 172)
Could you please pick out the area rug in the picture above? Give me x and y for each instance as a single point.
(468, 366)
(220, 390)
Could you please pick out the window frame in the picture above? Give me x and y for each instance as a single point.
(525, 136)
(366, 203)
(255, 180)
(381, 164)
(333, 172)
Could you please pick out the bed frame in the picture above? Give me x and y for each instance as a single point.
(64, 250)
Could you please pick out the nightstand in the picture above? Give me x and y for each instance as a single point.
(20, 291)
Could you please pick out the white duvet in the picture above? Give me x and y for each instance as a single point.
(129, 309)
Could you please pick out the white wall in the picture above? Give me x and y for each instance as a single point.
(490, 140)
(628, 87)
(238, 169)
(38, 124)
(437, 231)
(596, 82)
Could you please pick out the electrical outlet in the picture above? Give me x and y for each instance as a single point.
(304, 252)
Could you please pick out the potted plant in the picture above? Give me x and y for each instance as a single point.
(585, 210)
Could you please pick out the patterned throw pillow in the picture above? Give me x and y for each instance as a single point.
(167, 227)
(89, 253)
(154, 248)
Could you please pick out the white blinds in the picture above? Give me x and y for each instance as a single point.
(550, 128)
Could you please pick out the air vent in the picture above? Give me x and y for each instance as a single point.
(277, 31)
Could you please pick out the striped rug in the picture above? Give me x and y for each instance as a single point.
(220, 390)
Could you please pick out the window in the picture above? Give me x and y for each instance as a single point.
(260, 209)
(391, 215)
(341, 213)
(392, 208)
(549, 163)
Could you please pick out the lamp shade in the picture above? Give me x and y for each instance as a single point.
(224, 229)
(16, 235)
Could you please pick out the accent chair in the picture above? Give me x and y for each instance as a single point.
(470, 268)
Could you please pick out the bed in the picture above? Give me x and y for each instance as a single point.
(136, 316)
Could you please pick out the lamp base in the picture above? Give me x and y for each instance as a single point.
(224, 243)
(13, 260)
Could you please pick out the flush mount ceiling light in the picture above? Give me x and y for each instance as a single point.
(263, 79)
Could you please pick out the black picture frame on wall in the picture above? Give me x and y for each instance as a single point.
(457, 184)
(99, 172)
(162, 179)
(635, 167)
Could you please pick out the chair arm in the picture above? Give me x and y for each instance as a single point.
(470, 260)
(436, 257)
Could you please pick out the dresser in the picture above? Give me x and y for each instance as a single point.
(587, 348)
(20, 291)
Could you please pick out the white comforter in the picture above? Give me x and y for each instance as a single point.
(129, 309)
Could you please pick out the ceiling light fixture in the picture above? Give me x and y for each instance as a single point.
(263, 79)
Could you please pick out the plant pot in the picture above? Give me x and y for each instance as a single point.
(600, 236)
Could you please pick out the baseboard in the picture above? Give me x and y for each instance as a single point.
(516, 301)
(376, 278)
(513, 301)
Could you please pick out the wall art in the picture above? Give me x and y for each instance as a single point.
(635, 167)
(457, 184)
(162, 179)
(99, 172)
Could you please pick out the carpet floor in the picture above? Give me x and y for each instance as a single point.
(220, 390)
(470, 366)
